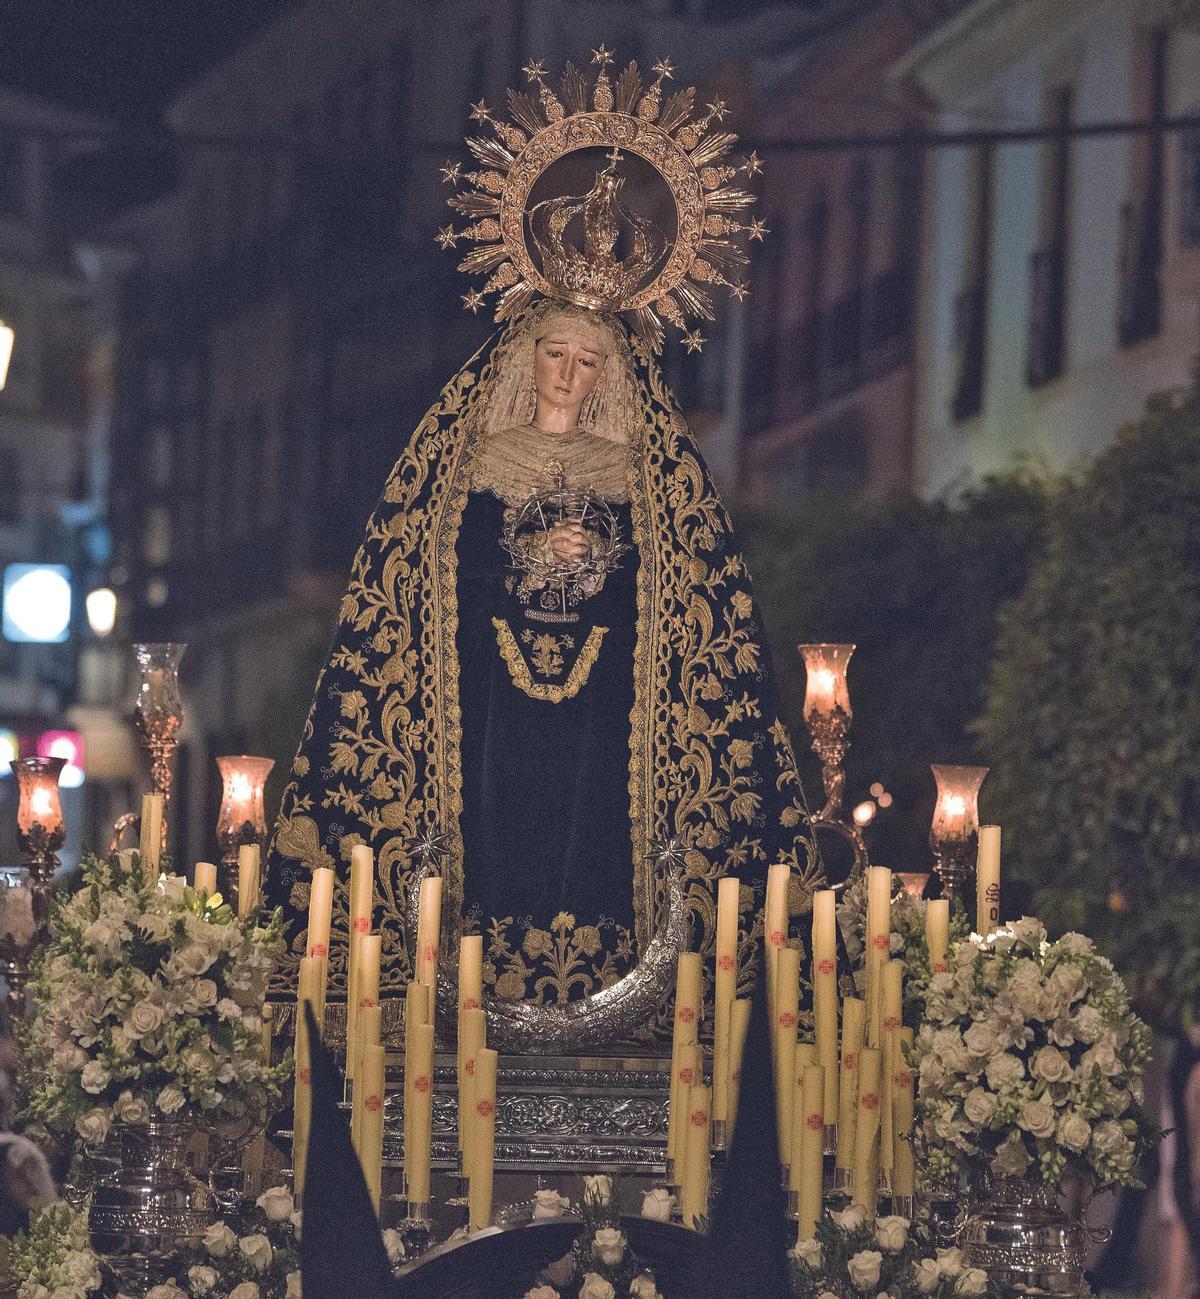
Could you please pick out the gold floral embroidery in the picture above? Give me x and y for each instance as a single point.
(554, 965)
(546, 651)
(518, 669)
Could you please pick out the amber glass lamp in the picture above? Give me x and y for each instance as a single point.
(955, 822)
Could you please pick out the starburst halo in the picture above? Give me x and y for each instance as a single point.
(626, 116)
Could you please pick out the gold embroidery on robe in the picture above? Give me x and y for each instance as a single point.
(517, 462)
(522, 678)
(553, 966)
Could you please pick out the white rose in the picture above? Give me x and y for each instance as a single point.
(277, 1203)
(1102, 1057)
(68, 1056)
(1068, 982)
(809, 1252)
(541, 1292)
(93, 1125)
(219, 1241)
(167, 1290)
(949, 1261)
(1074, 1132)
(608, 1245)
(1075, 944)
(594, 1287)
(131, 1109)
(144, 1018)
(157, 928)
(891, 1233)
(1004, 1068)
(1037, 1118)
(928, 1275)
(657, 1204)
(293, 1286)
(980, 1038)
(972, 1280)
(1108, 1138)
(246, 1290)
(170, 1100)
(643, 1287)
(864, 1268)
(1051, 1065)
(851, 1217)
(227, 1008)
(393, 1243)
(827, 1294)
(1029, 931)
(597, 1189)
(256, 1249)
(549, 1204)
(190, 962)
(201, 1279)
(172, 887)
(204, 993)
(95, 1077)
(979, 1106)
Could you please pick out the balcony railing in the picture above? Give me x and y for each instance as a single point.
(1047, 315)
(970, 340)
(1140, 306)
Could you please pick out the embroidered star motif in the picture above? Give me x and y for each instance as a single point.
(753, 163)
(534, 70)
(450, 173)
(447, 236)
(602, 56)
(473, 300)
(693, 340)
(664, 68)
(738, 290)
(719, 110)
(757, 229)
(480, 112)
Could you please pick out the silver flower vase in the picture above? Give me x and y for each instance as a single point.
(151, 1206)
(1018, 1232)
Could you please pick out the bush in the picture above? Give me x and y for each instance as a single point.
(1092, 717)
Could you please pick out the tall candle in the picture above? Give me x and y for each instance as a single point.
(853, 1014)
(417, 1156)
(150, 839)
(687, 1074)
(724, 991)
(775, 920)
(937, 933)
(429, 929)
(368, 1030)
(479, 1198)
(372, 1067)
(811, 1118)
(805, 1058)
(204, 879)
(307, 991)
(365, 992)
(987, 880)
(879, 925)
(893, 1003)
(361, 905)
(866, 1132)
(739, 1024)
(320, 911)
(249, 882)
(696, 1156)
(684, 1032)
(825, 994)
(472, 1030)
(903, 1175)
(787, 1009)
(417, 1008)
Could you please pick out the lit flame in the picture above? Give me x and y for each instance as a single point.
(954, 805)
(41, 803)
(240, 788)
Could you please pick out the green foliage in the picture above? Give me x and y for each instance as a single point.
(1092, 718)
(916, 586)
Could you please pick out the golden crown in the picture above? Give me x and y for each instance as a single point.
(660, 278)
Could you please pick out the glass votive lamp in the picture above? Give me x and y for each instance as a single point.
(241, 819)
(955, 821)
(825, 690)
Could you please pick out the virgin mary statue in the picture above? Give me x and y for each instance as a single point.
(549, 681)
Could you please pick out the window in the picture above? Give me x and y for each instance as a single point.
(1046, 350)
(971, 304)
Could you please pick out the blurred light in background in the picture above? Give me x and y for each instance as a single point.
(101, 610)
(864, 813)
(10, 751)
(68, 745)
(7, 338)
(37, 603)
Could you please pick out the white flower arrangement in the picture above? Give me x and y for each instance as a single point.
(852, 1257)
(148, 1002)
(53, 1259)
(1030, 1058)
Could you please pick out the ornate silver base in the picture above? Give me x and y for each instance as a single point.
(1016, 1231)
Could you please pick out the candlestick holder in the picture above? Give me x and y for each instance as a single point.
(416, 1228)
(40, 831)
(18, 937)
(827, 714)
(955, 824)
(241, 819)
(720, 1135)
(158, 713)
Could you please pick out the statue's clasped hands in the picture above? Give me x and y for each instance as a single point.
(569, 543)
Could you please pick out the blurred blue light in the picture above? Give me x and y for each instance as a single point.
(37, 603)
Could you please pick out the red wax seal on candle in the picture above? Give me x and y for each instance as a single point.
(429, 952)
(367, 1003)
(881, 942)
(318, 949)
(699, 1118)
(421, 1084)
(891, 1022)
(471, 1003)
(306, 1077)
(470, 1066)
(778, 938)
(787, 1019)
(940, 967)
(736, 1075)
(686, 1014)
(869, 1101)
(362, 925)
(849, 1060)
(825, 966)
(903, 1080)
(815, 1122)
(726, 962)
(373, 1103)
(485, 1109)
(685, 1076)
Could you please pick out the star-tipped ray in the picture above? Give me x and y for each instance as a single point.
(447, 237)
(451, 173)
(693, 340)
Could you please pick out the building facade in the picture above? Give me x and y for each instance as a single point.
(1062, 274)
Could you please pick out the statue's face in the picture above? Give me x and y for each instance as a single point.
(567, 364)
